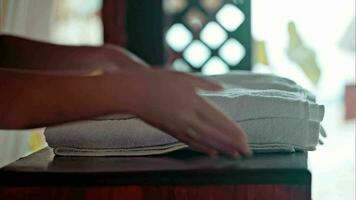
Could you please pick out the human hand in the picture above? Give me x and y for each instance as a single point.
(168, 101)
(122, 59)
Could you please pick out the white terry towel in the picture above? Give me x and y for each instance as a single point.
(248, 80)
(276, 113)
(253, 96)
(128, 137)
(247, 104)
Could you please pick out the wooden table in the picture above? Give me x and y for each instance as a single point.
(180, 175)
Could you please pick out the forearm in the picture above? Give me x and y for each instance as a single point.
(162, 98)
(19, 53)
(32, 100)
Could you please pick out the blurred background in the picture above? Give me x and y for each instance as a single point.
(309, 41)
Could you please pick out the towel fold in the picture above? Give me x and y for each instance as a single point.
(276, 113)
(128, 137)
(248, 80)
(246, 104)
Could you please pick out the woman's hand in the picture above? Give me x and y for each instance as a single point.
(163, 98)
(168, 100)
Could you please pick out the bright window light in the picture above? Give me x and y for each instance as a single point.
(232, 52)
(178, 37)
(215, 66)
(213, 35)
(230, 17)
(196, 53)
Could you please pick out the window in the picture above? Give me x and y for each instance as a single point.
(211, 36)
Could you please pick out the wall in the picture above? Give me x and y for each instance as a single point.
(30, 19)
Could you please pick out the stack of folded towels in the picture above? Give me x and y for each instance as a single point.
(277, 114)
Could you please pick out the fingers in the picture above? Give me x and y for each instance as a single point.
(196, 145)
(209, 136)
(186, 135)
(189, 138)
(225, 126)
(203, 149)
(202, 137)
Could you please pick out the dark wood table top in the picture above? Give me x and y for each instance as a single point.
(182, 167)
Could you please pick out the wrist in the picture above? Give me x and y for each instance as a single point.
(123, 59)
(126, 89)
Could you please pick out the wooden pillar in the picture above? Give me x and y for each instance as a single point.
(136, 25)
(114, 22)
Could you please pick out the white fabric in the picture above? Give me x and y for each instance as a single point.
(27, 18)
(248, 80)
(278, 117)
(252, 96)
(129, 137)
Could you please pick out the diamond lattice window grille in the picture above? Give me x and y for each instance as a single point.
(196, 54)
(211, 5)
(215, 66)
(195, 19)
(178, 37)
(230, 17)
(211, 36)
(171, 7)
(232, 52)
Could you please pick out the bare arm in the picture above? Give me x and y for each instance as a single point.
(20, 53)
(162, 98)
(35, 100)
(36, 93)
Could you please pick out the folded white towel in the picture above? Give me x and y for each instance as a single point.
(248, 95)
(247, 104)
(248, 80)
(128, 137)
(276, 113)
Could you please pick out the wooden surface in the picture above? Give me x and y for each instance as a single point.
(221, 192)
(183, 167)
(180, 175)
(113, 16)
